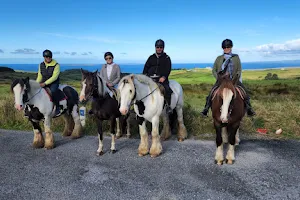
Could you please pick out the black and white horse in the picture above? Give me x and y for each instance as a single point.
(104, 107)
(37, 104)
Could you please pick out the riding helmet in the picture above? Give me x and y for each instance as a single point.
(47, 53)
(108, 54)
(227, 43)
(160, 43)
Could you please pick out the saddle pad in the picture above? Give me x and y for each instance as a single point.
(60, 94)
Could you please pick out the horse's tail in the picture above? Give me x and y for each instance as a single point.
(73, 97)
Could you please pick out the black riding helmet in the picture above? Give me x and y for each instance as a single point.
(159, 43)
(47, 53)
(108, 54)
(227, 43)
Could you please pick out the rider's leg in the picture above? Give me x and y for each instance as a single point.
(208, 100)
(54, 89)
(250, 111)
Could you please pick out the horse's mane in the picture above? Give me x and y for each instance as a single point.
(141, 78)
(16, 82)
(144, 79)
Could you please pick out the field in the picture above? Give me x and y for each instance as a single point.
(276, 102)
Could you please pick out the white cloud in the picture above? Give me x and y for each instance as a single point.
(90, 38)
(291, 47)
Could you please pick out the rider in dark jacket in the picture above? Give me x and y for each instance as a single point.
(158, 67)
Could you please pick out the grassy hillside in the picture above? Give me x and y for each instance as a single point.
(276, 102)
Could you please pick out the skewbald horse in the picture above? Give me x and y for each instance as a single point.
(37, 103)
(227, 110)
(148, 101)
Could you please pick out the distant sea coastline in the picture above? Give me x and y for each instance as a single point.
(138, 68)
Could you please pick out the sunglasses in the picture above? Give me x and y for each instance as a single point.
(109, 58)
(226, 47)
(159, 47)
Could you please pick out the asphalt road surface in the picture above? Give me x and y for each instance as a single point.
(263, 170)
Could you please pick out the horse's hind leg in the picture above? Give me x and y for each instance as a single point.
(230, 153)
(219, 158)
(113, 135)
(69, 125)
(237, 137)
(166, 132)
(182, 133)
(49, 139)
(77, 131)
(38, 139)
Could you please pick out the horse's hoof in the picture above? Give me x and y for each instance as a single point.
(154, 155)
(37, 145)
(118, 136)
(100, 153)
(113, 151)
(229, 162)
(219, 162)
(127, 136)
(75, 136)
(180, 139)
(142, 154)
(49, 147)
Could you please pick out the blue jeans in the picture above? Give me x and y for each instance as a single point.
(53, 87)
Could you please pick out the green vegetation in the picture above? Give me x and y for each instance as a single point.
(276, 102)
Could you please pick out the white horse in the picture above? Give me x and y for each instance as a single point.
(148, 101)
(37, 104)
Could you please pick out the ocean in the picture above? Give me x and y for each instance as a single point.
(138, 68)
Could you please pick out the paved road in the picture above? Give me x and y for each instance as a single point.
(263, 170)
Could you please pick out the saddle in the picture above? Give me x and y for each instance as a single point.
(238, 88)
(60, 95)
(114, 92)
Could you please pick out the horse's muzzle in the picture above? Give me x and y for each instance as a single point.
(123, 111)
(19, 107)
(82, 98)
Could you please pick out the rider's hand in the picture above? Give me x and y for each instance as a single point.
(162, 79)
(109, 84)
(42, 84)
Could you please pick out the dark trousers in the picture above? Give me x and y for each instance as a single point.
(168, 91)
(54, 88)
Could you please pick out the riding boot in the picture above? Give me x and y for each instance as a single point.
(56, 103)
(207, 105)
(168, 103)
(250, 111)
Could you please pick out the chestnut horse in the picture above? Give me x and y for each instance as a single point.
(227, 110)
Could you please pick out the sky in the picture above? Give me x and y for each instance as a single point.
(80, 32)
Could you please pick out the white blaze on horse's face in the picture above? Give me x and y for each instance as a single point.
(82, 93)
(18, 93)
(227, 97)
(127, 92)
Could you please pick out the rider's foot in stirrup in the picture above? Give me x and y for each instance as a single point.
(204, 113)
(250, 112)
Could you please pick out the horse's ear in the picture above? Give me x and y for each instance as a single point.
(83, 72)
(132, 76)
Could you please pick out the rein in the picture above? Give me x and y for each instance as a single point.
(141, 98)
(26, 100)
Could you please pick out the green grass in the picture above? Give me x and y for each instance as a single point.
(276, 102)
